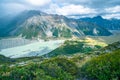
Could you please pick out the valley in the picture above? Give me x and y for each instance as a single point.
(20, 47)
(35, 48)
(35, 45)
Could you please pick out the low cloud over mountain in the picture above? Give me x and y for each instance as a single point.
(71, 8)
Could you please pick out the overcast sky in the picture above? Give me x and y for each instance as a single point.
(73, 8)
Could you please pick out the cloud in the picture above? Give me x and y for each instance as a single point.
(11, 8)
(38, 2)
(16, 6)
(109, 16)
(112, 12)
(115, 9)
(91, 3)
(75, 10)
(76, 2)
(70, 10)
(79, 8)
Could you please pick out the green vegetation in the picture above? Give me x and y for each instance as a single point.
(52, 69)
(5, 60)
(56, 32)
(111, 47)
(103, 67)
(32, 31)
(62, 32)
(66, 33)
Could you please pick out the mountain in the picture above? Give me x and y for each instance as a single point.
(4, 22)
(112, 24)
(33, 23)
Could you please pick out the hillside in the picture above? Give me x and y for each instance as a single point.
(111, 47)
(87, 44)
(32, 23)
(4, 60)
(71, 47)
(103, 67)
(62, 68)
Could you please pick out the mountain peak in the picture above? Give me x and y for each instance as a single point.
(98, 17)
(34, 12)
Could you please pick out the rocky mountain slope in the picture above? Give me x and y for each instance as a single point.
(32, 23)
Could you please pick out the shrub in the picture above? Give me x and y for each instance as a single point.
(103, 67)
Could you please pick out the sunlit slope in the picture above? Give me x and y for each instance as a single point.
(77, 46)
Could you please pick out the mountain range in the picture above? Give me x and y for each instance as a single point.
(111, 24)
(33, 23)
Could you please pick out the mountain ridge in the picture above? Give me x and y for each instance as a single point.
(112, 24)
(32, 23)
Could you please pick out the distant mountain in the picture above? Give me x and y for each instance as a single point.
(32, 23)
(112, 24)
(4, 22)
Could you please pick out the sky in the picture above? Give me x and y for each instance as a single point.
(71, 8)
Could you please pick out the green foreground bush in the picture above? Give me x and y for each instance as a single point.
(52, 69)
(104, 67)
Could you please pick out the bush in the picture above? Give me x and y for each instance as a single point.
(51, 69)
(60, 68)
(104, 67)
